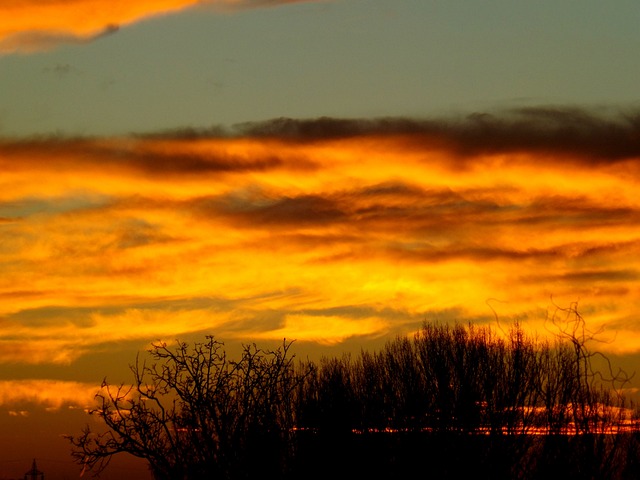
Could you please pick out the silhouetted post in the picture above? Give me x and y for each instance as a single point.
(34, 473)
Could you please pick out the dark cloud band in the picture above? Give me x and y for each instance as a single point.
(561, 130)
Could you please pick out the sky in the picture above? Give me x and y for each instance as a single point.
(334, 172)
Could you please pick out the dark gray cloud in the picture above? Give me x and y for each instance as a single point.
(327, 128)
(569, 131)
(61, 70)
(558, 211)
(606, 275)
(79, 153)
(430, 254)
(156, 163)
(600, 281)
(611, 248)
(412, 210)
(556, 134)
(552, 130)
(364, 311)
(80, 316)
(283, 211)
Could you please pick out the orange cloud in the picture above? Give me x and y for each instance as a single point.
(52, 394)
(322, 230)
(33, 25)
(27, 25)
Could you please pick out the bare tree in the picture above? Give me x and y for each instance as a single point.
(191, 412)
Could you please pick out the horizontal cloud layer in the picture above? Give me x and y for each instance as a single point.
(52, 394)
(321, 230)
(33, 25)
(570, 131)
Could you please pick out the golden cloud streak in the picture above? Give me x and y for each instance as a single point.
(34, 25)
(52, 394)
(319, 238)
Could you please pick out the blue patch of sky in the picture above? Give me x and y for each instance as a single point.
(345, 58)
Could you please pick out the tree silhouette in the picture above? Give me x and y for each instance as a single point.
(193, 413)
(468, 401)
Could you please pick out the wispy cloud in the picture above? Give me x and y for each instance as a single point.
(32, 25)
(321, 230)
(38, 40)
(52, 394)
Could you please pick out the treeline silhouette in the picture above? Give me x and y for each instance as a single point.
(451, 402)
(463, 401)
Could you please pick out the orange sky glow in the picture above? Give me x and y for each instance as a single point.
(318, 239)
(399, 163)
(339, 234)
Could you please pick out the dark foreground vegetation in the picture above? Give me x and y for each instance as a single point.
(451, 402)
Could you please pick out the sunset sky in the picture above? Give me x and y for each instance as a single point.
(334, 172)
